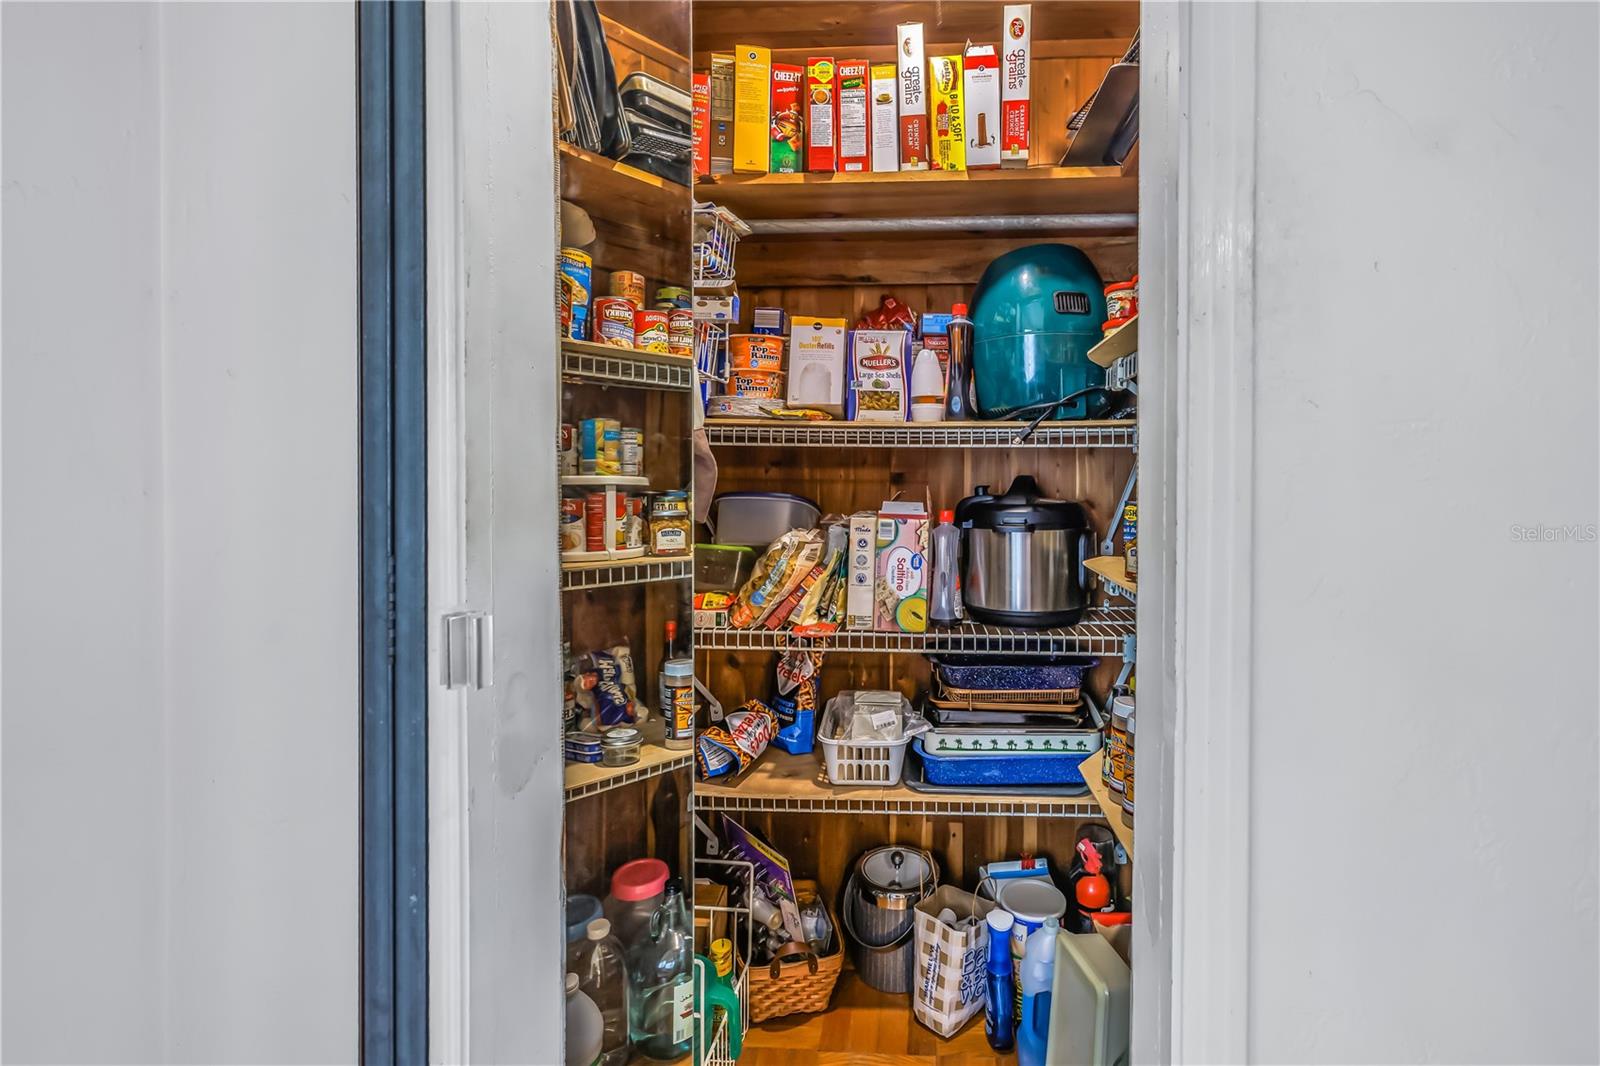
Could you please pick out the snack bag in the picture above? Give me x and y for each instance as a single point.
(727, 750)
(796, 701)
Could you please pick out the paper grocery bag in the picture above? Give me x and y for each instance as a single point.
(950, 962)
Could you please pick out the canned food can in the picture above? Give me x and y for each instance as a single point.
(680, 332)
(577, 270)
(628, 285)
(672, 297)
(567, 448)
(634, 522)
(613, 322)
(594, 520)
(650, 331)
(591, 442)
(630, 451)
(578, 323)
(573, 535)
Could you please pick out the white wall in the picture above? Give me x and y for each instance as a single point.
(1424, 830)
(181, 730)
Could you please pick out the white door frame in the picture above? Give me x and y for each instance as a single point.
(1197, 188)
(1196, 266)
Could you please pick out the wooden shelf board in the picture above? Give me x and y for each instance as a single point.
(1103, 796)
(585, 779)
(1124, 340)
(620, 33)
(1114, 568)
(925, 194)
(619, 195)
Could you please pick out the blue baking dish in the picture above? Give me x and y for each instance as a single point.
(972, 672)
(1030, 768)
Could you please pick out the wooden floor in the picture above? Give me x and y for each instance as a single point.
(865, 1028)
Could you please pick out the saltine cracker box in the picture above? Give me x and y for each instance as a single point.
(913, 73)
(980, 105)
(1016, 62)
(752, 91)
(951, 961)
(903, 570)
(884, 89)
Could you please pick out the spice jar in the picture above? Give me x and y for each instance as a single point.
(1115, 762)
(620, 747)
(669, 524)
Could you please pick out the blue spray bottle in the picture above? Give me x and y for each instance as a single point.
(999, 1014)
(1037, 977)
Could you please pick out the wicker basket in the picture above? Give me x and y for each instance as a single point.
(802, 986)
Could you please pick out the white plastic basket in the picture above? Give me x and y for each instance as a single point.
(866, 762)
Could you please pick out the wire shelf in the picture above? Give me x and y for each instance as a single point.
(926, 806)
(734, 434)
(597, 779)
(1100, 633)
(630, 572)
(608, 365)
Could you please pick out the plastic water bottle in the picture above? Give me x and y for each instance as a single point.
(585, 1027)
(603, 977)
(661, 982)
(944, 605)
(721, 1001)
(999, 1008)
(1038, 975)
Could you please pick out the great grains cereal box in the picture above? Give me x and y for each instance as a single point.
(1016, 63)
(855, 145)
(822, 114)
(913, 72)
(787, 125)
(949, 128)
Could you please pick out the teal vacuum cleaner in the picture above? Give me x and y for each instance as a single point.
(1036, 313)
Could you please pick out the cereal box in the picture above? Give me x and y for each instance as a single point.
(980, 106)
(884, 88)
(702, 124)
(855, 151)
(913, 69)
(900, 598)
(786, 126)
(878, 375)
(822, 114)
(949, 132)
(1016, 59)
(721, 113)
(752, 92)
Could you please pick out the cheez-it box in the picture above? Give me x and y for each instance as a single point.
(855, 148)
(913, 71)
(1015, 58)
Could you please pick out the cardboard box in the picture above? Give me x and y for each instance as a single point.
(949, 129)
(854, 89)
(901, 542)
(787, 128)
(883, 92)
(816, 364)
(913, 72)
(1016, 64)
(980, 106)
(722, 113)
(752, 97)
(862, 570)
(880, 373)
(822, 114)
(702, 124)
(709, 924)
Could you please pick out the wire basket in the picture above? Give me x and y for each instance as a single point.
(716, 235)
(717, 1049)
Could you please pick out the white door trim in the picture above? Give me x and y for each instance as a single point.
(1197, 217)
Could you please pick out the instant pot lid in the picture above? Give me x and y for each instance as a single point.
(1023, 507)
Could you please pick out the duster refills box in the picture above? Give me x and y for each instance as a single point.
(752, 92)
(902, 589)
(861, 560)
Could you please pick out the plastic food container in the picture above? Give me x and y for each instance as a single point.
(756, 519)
(620, 747)
(721, 567)
(1001, 769)
(760, 384)
(637, 888)
(755, 351)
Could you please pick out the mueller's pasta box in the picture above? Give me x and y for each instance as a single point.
(752, 143)
(883, 90)
(900, 596)
(913, 69)
(822, 114)
(854, 92)
(949, 136)
(787, 139)
(878, 375)
(980, 106)
(702, 124)
(1016, 58)
(816, 364)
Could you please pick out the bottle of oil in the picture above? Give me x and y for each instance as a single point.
(958, 391)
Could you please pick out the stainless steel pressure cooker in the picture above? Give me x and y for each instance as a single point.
(1022, 556)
